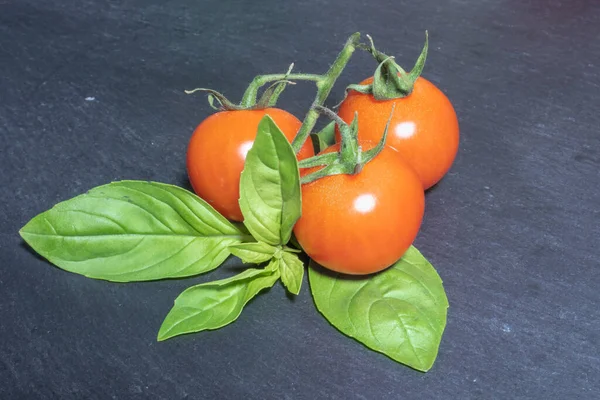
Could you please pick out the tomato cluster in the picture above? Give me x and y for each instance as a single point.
(355, 208)
(351, 223)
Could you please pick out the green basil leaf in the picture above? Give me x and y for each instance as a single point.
(326, 136)
(400, 312)
(253, 253)
(133, 231)
(215, 304)
(270, 186)
(291, 269)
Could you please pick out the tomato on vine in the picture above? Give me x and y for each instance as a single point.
(355, 208)
(217, 152)
(362, 223)
(424, 127)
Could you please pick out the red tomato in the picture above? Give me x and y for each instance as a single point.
(217, 152)
(363, 223)
(423, 128)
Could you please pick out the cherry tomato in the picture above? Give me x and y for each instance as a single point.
(363, 223)
(217, 152)
(423, 128)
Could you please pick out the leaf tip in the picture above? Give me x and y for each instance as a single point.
(292, 289)
(163, 334)
(24, 233)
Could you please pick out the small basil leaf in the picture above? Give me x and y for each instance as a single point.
(215, 304)
(291, 269)
(270, 186)
(133, 231)
(326, 136)
(253, 253)
(400, 312)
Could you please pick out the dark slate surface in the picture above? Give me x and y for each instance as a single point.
(92, 91)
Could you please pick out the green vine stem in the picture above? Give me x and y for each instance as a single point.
(213, 95)
(268, 98)
(324, 85)
(251, 93)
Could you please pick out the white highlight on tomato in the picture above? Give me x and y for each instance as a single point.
(405, 130)
(365, 203)
(245, 148)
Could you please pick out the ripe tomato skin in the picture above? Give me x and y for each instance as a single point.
(424, 127)
(217, 152)
(363, 223)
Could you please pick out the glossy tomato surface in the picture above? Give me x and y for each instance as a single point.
(217, 152)
(424, 127)
(363, 223)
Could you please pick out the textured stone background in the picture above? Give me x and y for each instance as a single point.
(92, 91)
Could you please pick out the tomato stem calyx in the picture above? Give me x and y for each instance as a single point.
(350, 159)
(390, 81)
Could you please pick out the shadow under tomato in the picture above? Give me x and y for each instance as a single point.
(338, 275)
(432, 188)
(184, 182)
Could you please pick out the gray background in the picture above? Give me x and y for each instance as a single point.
(513, 229)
